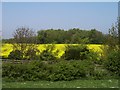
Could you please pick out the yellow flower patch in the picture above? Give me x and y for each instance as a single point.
(7, 48)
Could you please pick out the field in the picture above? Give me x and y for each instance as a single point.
(63, 84)
(7, 48)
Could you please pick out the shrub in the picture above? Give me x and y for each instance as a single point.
(113, 62)
(16, 54)
(100, 74)
(32, 71)
(76, 52)
(70, 70)
(85, 68)
(31, 54)
(61, 71)
(12, 71)
(18, 72)
(95, 57)
(46, 56)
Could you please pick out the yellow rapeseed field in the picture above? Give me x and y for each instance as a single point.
(7, 48)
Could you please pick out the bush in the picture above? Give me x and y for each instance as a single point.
(100, 75)
(16, 54)
(12, 71)
(22, 72)
(113, 62)
(70, 70)
(61, 71)
(95, 57)
(76, 52)
(31, 54)
(47, 54)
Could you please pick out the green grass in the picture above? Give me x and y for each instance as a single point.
(63, 84)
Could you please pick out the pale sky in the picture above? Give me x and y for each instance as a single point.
(39, 15)
(59, 0)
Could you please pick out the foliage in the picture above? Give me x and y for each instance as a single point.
(16, 54)
(71, 36)
(79, 52)
(95, 57)
(118, 27)
(47, 54)
(36, 70)
(113, 62)
(24, 41)
(112, 56)
(112, 38)
(31, 54)
(96, 37)
(101, 73)
(20, 72)
(7, 40)
(70, 70)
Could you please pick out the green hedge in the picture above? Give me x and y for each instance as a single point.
(36, 70)
(57, 71)
(70, 70)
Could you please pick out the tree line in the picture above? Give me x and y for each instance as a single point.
(60, 36)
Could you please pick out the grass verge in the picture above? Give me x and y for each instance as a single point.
(63, 84)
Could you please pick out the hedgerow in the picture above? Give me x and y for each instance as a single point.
(36, 70)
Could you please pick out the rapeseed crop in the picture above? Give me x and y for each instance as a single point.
(7, 48)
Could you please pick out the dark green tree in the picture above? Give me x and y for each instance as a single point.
(96, 37)
(71, 36)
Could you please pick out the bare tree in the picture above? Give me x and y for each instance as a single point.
(25, 41)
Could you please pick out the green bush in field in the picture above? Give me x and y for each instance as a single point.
(47, 56)
(29, 54)
(95, 58)
(113, 62)
(78, 52)
(16, 54)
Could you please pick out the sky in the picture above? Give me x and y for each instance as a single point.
(0, 20)
(59, 0)
(58, 15)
